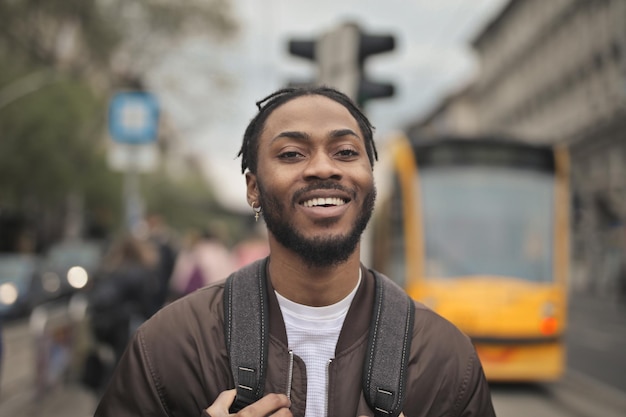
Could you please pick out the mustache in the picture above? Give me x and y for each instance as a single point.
(322, 185)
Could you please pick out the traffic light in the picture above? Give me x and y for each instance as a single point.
(340, 55)
(372, 45)
(303, 49)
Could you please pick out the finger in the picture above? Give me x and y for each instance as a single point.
(220, 406)
(269, 404)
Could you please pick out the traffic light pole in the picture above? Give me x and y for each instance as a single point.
(337, 54)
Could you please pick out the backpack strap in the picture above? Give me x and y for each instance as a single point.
(246, 330)
(384, 370)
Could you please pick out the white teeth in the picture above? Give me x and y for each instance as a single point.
(330, 201)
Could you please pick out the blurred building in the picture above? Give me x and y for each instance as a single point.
(555, 72)
(456, 113)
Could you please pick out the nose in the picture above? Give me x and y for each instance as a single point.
(322, 166)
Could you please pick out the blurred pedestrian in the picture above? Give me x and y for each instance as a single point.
(204, 259)
(251, 248)
(125, 293)
(163, 237)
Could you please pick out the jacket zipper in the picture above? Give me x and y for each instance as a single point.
(327, 385)
(290, 375)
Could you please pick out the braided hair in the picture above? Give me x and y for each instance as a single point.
(250, 145)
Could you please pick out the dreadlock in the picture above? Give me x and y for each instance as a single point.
(250, 145)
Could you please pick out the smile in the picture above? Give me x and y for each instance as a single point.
(325, 202)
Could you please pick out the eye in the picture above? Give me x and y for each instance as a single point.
(347, 153)
(290, 155)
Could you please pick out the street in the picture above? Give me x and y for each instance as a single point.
(595, 383)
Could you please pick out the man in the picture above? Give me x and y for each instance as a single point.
(308, 156)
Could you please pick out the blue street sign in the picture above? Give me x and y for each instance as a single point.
(133, 117)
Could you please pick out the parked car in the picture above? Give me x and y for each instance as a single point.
(20, 284)
(69, 265)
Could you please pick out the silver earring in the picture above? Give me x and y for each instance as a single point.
(257, 210)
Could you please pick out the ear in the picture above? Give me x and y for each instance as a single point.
(252, 189)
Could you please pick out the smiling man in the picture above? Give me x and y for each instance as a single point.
(308, 158)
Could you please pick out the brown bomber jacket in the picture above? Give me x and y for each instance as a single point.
(177, 363)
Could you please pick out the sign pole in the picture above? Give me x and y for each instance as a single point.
(133, 122)
(133, 201)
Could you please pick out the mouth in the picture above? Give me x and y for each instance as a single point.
(324, 202)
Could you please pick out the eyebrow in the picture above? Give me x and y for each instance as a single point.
(305, 136)
(343, 132)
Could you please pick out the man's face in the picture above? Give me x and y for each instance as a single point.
(314, 180)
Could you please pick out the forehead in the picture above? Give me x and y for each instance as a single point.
(312, 113)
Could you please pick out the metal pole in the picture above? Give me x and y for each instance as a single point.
(132, 194)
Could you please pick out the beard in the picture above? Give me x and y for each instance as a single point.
(319, 251)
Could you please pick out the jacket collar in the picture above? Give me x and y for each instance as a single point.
(358, 317)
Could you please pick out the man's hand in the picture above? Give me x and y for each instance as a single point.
(270, 405)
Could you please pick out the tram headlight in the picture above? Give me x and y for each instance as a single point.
(548, 310)
(8, 293)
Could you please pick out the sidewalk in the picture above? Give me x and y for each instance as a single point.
(598, 310)
(63, 401)
(596, 338)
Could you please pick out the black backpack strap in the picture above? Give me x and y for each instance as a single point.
(246, 330)
(384, 370)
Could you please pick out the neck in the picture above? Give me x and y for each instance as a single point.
(312, 286)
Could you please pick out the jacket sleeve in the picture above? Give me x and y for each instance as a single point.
(133, 389)
(474, 396)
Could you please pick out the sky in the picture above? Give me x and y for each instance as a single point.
(213, 100)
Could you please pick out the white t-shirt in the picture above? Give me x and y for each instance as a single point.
(312, 333)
